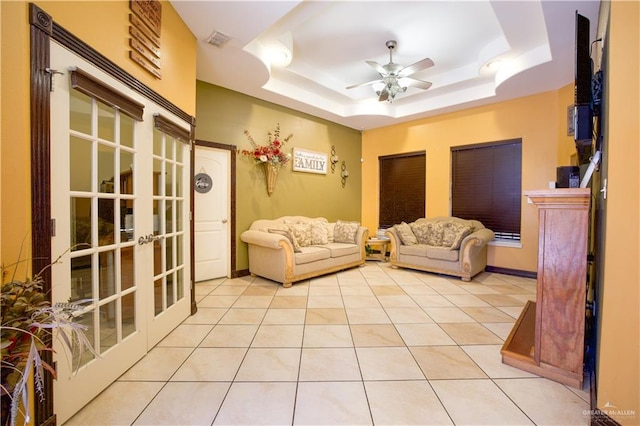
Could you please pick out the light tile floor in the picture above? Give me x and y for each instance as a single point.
(371, 345)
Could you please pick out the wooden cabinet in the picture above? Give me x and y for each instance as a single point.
(548, 338)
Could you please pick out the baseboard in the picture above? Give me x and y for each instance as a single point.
(240, 273)
(600, 418)
(514, 272)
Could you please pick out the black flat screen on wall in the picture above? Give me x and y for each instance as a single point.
(583, 70)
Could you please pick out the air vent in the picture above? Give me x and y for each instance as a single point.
(217, 39)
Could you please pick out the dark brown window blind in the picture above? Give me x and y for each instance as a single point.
(486, 185)
(402, 188)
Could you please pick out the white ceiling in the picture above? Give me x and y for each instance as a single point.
(329, 42)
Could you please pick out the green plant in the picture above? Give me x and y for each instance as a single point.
(28, 322)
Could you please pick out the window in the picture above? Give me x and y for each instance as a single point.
(402, 188)
(486, 185)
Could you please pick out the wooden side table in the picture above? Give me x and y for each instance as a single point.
(380, 246)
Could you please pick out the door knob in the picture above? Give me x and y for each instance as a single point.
(224, 220)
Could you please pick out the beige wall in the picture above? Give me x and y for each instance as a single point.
(103, 25)
(223, 115)
(540, 121)
(619, 333)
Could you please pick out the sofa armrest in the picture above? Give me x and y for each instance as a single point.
(361, 240)
(395, 241)
(478, 237)
(473, 249)
(362, 236)
(265, 239)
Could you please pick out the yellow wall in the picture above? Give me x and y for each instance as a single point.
(619, 334)
(103, 25)
(15, 187)
(177, 45)
(223, 115)
(538, 120)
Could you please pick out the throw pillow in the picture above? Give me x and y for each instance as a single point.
(319, 233)
(436, 233)
(406, 234)
(302, 232)
(462, 233)
(331, 227)
(345, 232)
(450, 233)
(421, 231)
(290, 237)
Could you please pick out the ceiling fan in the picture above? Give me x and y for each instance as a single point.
(394, 78)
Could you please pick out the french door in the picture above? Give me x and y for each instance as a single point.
(120, 204)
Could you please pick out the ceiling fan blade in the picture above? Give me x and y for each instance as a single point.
(414, 68)
(378, 67)
(412, 82)
(365, 84)
(384, 95)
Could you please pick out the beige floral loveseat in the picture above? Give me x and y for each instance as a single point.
(295, 248)
(445, 245)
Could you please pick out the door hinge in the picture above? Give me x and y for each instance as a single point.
(53, 227)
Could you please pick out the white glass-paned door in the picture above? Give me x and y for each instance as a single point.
(170, 230)
(113, 248)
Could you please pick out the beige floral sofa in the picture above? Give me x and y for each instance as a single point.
(295, 248)
(444, 245)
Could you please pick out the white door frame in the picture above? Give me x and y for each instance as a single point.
(231, 211)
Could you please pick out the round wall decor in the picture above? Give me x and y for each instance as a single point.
(203, 183)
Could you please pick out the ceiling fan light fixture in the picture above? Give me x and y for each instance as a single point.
(395, 78)
(377, 87)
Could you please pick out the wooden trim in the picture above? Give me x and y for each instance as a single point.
(40, 98)
(90, 86)
(565, 198)
(512, 272)
(232, 202)
(170, 128)
(240, 273)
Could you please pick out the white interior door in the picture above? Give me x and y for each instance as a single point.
(211, 213)
(119, 202)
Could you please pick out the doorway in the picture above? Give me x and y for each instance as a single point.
(212, 212)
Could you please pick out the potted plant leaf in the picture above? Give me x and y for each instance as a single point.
(28, 322)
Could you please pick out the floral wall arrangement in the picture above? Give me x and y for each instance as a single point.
(271, 156)
(272, 152)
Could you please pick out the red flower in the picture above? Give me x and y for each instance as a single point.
(272, 152)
